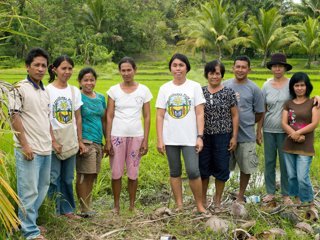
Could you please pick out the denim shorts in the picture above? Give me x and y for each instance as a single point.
(214, 157)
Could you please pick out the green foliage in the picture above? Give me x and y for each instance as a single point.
(265, 33)
(308, 39)
(211, 27)
(8, 217)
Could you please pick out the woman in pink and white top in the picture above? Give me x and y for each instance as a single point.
(127, 139)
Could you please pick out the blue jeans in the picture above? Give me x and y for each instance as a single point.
(273, 143)
(61, 184)
(298, 168)
(33, 179)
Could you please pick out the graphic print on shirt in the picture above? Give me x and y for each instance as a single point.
(178, 105)
(293, 122)
(62, 110)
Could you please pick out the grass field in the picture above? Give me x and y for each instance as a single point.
(154, 189)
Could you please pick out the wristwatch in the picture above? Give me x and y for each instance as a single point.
(200, 136)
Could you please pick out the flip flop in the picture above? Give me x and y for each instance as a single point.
(88, 214)
(72, 216)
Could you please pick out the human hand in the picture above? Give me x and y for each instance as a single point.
(82, 147)
(27, 152)
(259, 138)
(105, 151)
(199, 145)
(161, 148)
(57, 148)
(109, 149)
(144, 148)
(232, 144)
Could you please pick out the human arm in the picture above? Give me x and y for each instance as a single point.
(159, 125)
(110, 116)
(235, 127)
(146, 118)
(289, 130)
(200, 126)
(82, 147)
(316, 101)
(21, 136)
(104, 130)
(259, 130)
(311, 126)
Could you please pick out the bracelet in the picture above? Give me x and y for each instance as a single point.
(200, 136)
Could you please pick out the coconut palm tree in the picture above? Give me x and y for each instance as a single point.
(211, 28)
(265, 34)
(307, 8)
(308, 39)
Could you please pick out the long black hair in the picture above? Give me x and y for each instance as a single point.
(300, 77)
(56, 64)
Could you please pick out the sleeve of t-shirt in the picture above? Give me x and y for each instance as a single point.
(198, 95)
(258, 104)
(110, 93)
(15, 98)
(161, 99)
(78, 101)
(103, 99)
(264, 91)
(286, 106)
(148, 95)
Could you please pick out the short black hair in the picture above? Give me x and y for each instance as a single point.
(36, 52)
(127, 60)
(300, 77)
(211, 67)
(182, 58)
(56, 64)
(242, 58)
(85, 71)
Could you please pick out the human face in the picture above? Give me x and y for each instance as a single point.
(178, 69)
(127, 72)
(300, 89)
(64, 71)
(37, 69)
(214, 78)
(278, 70)
(88, 83)
(241, 70)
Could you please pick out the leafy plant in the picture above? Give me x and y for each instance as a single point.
(8, 216)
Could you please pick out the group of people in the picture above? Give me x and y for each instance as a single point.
(59, 128)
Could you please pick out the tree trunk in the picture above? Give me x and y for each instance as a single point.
(263, 64)
(203, 55)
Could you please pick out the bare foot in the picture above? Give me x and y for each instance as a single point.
(287, 200)
(268, 198)
(116, 211)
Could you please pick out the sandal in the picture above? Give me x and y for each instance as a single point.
(40, 237)
(72, 216)
(268, 198)
(205, 214)
(88, 214)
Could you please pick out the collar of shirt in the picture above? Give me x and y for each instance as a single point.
(36, 86)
